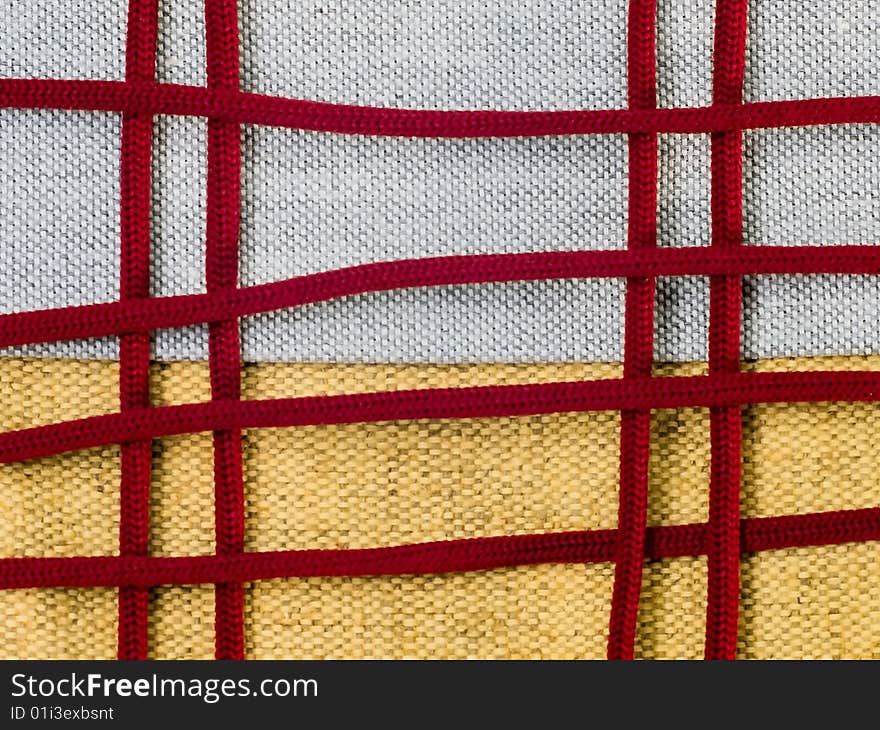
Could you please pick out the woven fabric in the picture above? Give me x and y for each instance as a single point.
(391, 484)
(361, 204)
(493, 198)
(790, 611)
(405, 58)
(313, 202)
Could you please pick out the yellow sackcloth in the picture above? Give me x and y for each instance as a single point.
(366, 485)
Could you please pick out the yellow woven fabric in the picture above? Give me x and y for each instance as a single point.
(383, 484)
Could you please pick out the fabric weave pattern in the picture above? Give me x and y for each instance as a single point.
(432, 244)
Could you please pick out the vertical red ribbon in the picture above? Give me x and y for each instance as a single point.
(221, 273)
(635, 426)
(134, 349)
(722, 607)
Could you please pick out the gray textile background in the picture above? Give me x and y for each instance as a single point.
(312, 202)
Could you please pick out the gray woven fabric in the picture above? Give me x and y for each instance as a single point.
(455, 54)
(797, 50)
(61, 39)
(180, 50)
(311, 202)
(495, 54)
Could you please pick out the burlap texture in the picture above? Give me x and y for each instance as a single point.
(383, 484)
